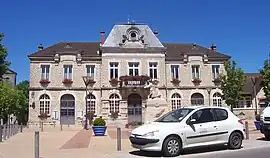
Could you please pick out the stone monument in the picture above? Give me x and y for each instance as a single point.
(156, 106)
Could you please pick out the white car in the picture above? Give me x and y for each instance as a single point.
(190, 127)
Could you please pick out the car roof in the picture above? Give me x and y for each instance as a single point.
(203, 107)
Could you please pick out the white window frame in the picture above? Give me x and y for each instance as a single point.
(217, 99)
(199, 75)
(173, 71)
(91, 98)
(153, 65)
(133, 68)
(244, 101)
(214, 70)
(114, 68)
(176, 101)
(91, 74)
(70, 76)
(47, 74)
(45, 100)
(114, 98)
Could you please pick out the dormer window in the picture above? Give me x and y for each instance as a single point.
(133, 36)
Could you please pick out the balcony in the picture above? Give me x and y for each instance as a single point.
(44, 81)
(67, 81)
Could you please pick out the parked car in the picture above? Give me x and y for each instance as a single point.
(265, 122)
(188, 127)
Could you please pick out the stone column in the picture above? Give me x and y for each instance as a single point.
(123, 109)
(105, 109)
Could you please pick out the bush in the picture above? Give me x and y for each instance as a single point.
(99, 122)
(257, 117)
(114, 115)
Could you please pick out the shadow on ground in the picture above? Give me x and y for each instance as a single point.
(262, 139)
(185, 152)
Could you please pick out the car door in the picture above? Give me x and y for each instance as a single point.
(223, 124)
(203, 129)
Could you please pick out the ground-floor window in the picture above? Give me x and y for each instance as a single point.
(44, 104)
(217, 100)
(114, 101)
(91, 103)
(176, 101)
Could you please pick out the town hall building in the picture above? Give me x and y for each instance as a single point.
(119, 68)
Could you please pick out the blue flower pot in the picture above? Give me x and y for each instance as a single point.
(257, 125)
(99, 130)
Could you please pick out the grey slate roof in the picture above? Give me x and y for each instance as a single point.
(115, 37)
(248, 86)
(174, 51)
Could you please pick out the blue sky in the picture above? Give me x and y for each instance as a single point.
(239, 28)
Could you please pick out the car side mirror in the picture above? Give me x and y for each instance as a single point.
(192, 121)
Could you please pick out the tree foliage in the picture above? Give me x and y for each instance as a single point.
(232, 83)
(3, 54)
(14, 100)
(265, 83)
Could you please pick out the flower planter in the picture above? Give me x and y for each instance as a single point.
(257, 125)
(99, 130)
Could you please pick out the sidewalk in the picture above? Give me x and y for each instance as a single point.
(73, 142)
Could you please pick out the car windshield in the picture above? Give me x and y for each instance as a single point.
(175, 116)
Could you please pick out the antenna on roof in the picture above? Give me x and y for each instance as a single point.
(128, 19)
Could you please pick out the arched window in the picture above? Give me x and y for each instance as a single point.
(176, 101)
(91, 103)
(197, 99)
(114, 101)
(217, 99)
(44, 104)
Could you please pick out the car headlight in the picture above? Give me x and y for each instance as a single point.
(150, 134)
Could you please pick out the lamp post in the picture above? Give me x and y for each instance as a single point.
(209, 91)
(86, 80)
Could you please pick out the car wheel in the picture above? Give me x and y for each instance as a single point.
(267, 136)
(172, 146)
(235, 140)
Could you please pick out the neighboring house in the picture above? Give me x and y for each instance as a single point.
(252, 98)
(10, 76)
(186, 74)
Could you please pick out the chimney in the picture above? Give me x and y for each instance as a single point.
(156, 32)
(102, 37)
(40, 47)
(213, 47)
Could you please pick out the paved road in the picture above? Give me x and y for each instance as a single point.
(251, 149)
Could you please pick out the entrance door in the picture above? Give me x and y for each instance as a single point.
(67, 114)
(134, 108)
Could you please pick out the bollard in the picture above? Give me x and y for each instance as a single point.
(61, 126)
(1, 133)
(21, 128)
(5, 132)
(8, 132)
(247, 129)
(37, 144)
(118, 139)
(54, 124)
(41, 126)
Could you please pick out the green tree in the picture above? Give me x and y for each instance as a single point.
(3, 54)
(23, 91)
(9, 100)
(232, 83)
(265, 83)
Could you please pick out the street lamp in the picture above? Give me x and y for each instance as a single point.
(86, 80)
(209, 91)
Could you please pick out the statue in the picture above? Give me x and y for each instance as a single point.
(154, 91)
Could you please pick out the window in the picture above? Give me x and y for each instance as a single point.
(153, 70)
(91, 103)
(217, 99)
(175, 71)
(44, 104)
(197, 99)
(195, 71)
(175, 116)
(113, 70)
(45, 71)
(67, 71)
(114, 101)
(221, 114)
(90, 70)
(133, 68)
(176, 101)
(203, 116)
(245, 102)
(215, 71)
